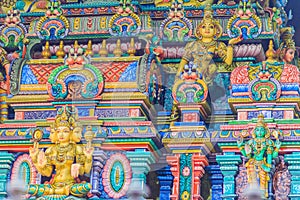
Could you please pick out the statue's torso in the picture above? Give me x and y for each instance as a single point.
(62, 159)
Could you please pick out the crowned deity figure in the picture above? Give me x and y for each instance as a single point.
(286, 54)
(68, 159)
(202, 51)
(260, 150)
(287, 47)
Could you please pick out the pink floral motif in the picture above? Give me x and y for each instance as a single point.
(186, 171)
(240, 75)
(290, 74)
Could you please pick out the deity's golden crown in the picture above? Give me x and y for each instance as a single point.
(286, 35)
(260, 120)
(66, 116)
(208, 14)
(208, 18)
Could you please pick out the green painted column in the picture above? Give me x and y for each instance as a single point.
(229, 166)
(294, 168)
(6, 160)
(140, 161)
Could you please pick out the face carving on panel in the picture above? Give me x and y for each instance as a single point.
(76, 58)
(12, 18)
(54, 9)
(245, 10)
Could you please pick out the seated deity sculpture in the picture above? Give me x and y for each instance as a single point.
(65, 160)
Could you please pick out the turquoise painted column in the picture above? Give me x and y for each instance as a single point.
(6, 160)
(294, 168)
(229, 166)
(140, 161)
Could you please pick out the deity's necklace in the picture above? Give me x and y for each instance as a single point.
(207, 45)
(61, 152)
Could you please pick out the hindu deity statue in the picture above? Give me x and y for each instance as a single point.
(287, 47)
(202, 51)
(286, 54)
(68, 159)
(260, 150)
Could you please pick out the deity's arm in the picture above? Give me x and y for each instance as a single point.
(269, 156)
(241, 146)
(276, 149)
(182, 63)
(225, 53)
(84, 161)
(42, 164)
(186, 57)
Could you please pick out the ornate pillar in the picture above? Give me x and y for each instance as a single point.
(199, 162)
(187, 168)
(99, 158)
(140, 161)
(166, 180)
(174, 164)
(3, 105)
(229, 166)
(6, 160)
(216, 179)
(293, 161)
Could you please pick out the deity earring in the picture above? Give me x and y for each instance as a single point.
(215, 37)
(200, 37)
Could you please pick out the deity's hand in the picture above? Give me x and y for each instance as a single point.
(42, 161)
(75, 168)
(278, 144)
(240, 142)
(235, 40)
(33, 152)
(88, 152)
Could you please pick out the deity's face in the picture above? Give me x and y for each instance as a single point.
(245, 10)
(13, 18)
(76, 59)
(63, 134)
(53, 136)
(260, 131)
(207, 30)
(54, 9)
(176, 11)
(289, 55)
(77, 133)
(125, 7)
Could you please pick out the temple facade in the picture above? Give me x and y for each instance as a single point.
(148, 99)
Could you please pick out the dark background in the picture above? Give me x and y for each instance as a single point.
(294, 5)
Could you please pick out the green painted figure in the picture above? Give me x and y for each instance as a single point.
(260, 150)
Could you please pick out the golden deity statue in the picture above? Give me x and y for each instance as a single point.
(202, 51)
(61, 157)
